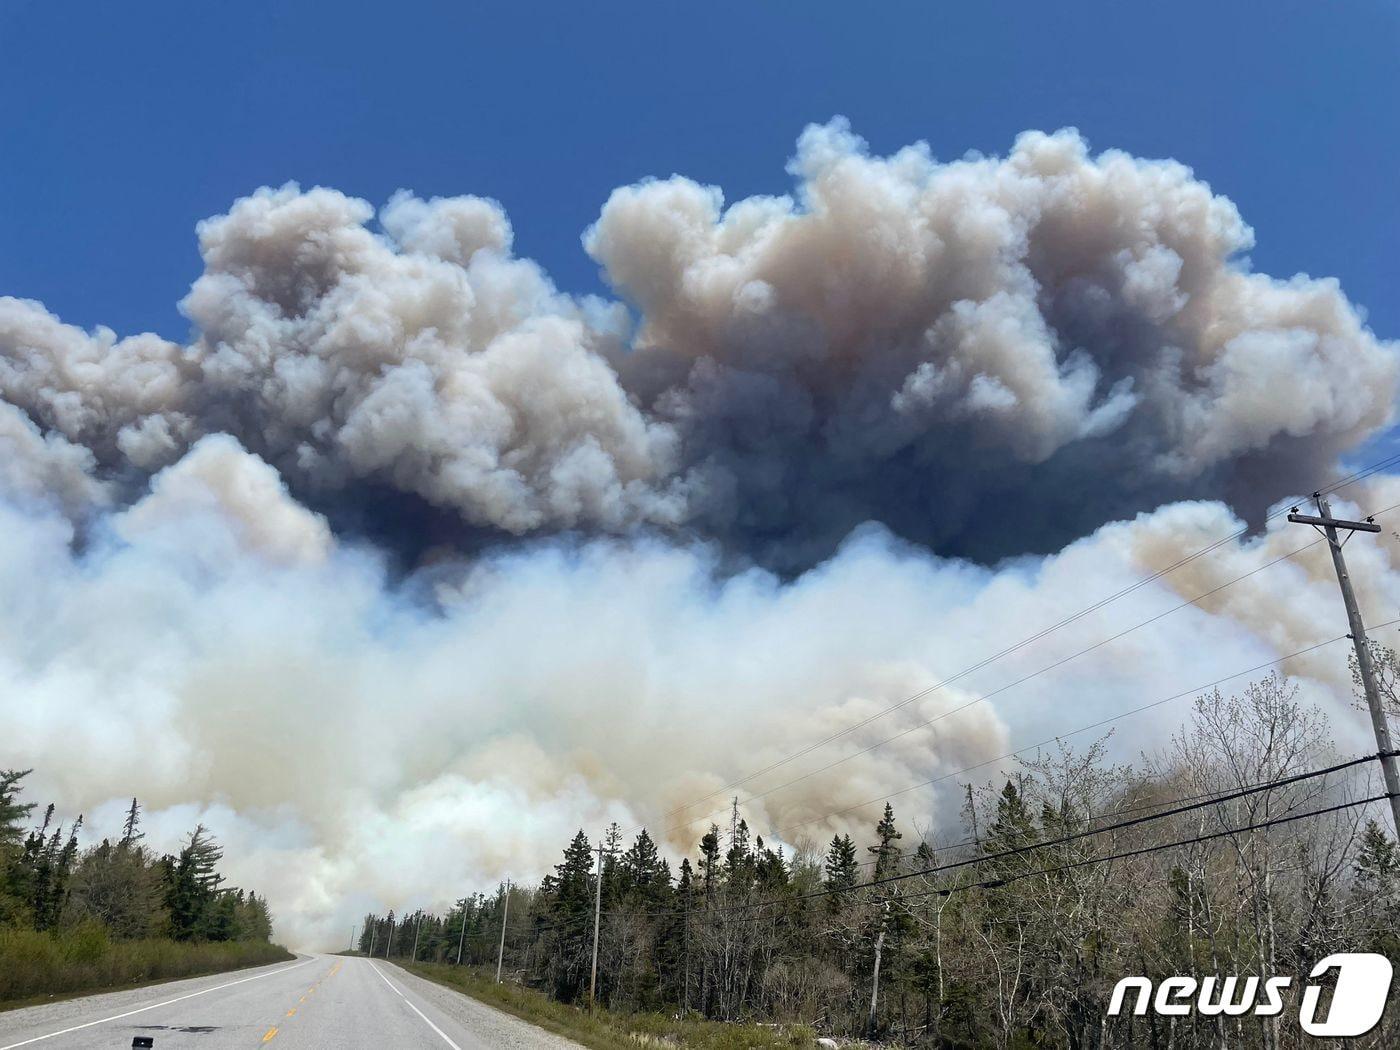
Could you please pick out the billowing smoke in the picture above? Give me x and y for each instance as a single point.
(916, 343)
(409, 564)
(933, 344)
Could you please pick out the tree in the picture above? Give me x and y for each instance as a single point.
(841, 871)
(887, 854)
(192, 889)
(13, 814)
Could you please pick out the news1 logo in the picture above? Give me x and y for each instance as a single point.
(1358, 1000)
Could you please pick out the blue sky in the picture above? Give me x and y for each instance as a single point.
(123, 124)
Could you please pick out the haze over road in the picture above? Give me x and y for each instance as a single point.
(317, 1003)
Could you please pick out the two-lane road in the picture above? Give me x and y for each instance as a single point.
(320, 1002)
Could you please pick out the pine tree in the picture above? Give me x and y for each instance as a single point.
(644, 874)
(131, 833)
(14, 890)
(13, 813)
(841, 871)
(887, 854)
(192, 884)
(571, 911)
(709, 862)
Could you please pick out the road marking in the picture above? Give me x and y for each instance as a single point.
(270, 1033)
(415, 1009)
(155, 1006)
(292, 1011)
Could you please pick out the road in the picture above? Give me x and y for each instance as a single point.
(318, 1002)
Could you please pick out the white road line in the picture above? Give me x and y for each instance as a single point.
(406, 999)
(156, 1006)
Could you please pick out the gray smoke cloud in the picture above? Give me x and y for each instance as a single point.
(660, 545)
(930, 344)
(918, 343)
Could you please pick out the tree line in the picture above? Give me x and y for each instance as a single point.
(48, 884)
(1014, 934)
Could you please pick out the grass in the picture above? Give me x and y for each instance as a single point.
(606, 1030)
(38, 967)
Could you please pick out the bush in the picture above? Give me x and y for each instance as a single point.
(83, 959)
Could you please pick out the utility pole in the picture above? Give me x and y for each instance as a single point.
(416, 931)
(373, 935)
(1328, 526)
(463, 935)
(597, 916)
(390, 947)
(353, 928)
(501, 951)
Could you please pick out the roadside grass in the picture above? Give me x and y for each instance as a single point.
(605, 1030)
(40, 967)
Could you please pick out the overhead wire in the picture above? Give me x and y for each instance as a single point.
(1331, 487)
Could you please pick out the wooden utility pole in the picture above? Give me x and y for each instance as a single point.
(501, 951)
(597, 916)
(463, 935)
(373, 936)
(1328, 526)
(416, 931)
(389, 949)
(353, 929)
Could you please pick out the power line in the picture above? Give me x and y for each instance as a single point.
(1101, 723)
(1010, 685)
(1036, 847)
(1127, 854)
(1335, 485)
(1244, 792)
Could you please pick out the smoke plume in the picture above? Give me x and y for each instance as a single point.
(408, 563)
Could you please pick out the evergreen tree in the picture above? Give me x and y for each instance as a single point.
(13, 814)
(131, 833)
(570, 919)
(841, 871)
(192, 889)
(887, 854)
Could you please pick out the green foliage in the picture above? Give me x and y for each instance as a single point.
(605, 1030)
(72, 920)
(84, 959)
(1016, 942)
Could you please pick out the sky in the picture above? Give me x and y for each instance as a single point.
(126, 124)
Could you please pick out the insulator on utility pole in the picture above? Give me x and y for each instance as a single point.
(1328, 526)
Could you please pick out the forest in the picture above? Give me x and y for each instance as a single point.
(117, 912)
(1244, 845)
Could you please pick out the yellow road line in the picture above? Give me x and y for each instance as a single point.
(270, 1033)
(292, 1011)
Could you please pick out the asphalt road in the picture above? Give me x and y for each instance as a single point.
(318, 1002)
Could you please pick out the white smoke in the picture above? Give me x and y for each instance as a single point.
(840, 385)
(355, 750)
